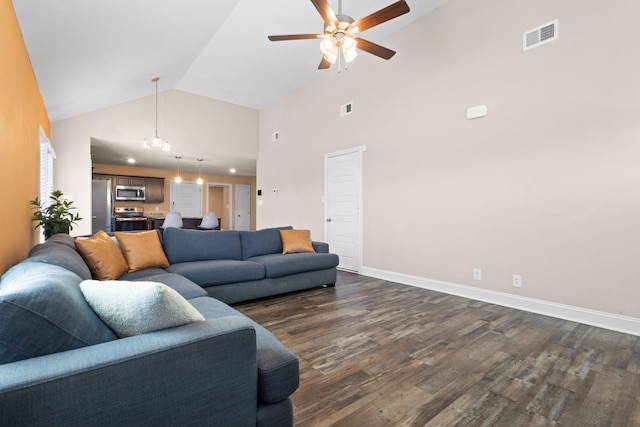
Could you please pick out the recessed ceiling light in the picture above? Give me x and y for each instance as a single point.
(131, 160)
(232, 170)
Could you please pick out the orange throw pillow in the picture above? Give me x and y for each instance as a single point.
(142, 250)
(102, 256)
(294, 241)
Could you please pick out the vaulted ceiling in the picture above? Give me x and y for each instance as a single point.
(89, 55)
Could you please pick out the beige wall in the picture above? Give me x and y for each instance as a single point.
(546, 186)
(191, 118)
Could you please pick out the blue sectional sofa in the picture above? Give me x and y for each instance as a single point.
(236, 266)
(61, 364)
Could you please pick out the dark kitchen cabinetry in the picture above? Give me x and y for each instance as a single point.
(154, 190)
(130, 180)
(154, 187)
(103, 177)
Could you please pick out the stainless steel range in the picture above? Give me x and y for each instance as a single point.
(130, 218)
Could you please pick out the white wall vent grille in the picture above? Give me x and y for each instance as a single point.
(538, 36)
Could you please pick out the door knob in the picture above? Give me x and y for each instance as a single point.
(328, 219)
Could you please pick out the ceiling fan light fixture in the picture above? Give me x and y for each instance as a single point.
(341, 31)
(332, 56)
(348, 43)
(349, 54)
(329, 44)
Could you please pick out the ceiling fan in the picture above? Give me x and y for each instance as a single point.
(340, 32)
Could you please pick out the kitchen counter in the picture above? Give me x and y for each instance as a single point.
(189, 223)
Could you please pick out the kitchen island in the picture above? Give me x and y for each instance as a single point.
(188, 223)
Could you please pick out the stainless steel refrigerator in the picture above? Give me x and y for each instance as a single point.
(101, 205)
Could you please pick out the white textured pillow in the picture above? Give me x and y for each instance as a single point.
(133, 308)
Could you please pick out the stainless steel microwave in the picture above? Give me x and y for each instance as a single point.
(129, 192)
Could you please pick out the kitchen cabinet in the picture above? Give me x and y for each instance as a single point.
(130, 180)
(154, 187)
(154, 190)
(102, 176)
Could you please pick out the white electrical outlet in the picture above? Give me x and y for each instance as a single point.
(517, 280)
(477, 274)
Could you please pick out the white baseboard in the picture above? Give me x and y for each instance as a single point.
(628, 325)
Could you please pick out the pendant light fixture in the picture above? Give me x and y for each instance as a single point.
(155, 142)
(199, 181)
(178, 178)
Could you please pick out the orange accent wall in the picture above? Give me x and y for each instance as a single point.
(22, 111)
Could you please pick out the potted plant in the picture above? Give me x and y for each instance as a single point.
(57, 216)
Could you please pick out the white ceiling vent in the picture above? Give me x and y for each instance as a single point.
(541, 35)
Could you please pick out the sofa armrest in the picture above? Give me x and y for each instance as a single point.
(321, 247)
(202, 373)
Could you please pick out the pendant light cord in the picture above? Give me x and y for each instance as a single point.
(156, 81)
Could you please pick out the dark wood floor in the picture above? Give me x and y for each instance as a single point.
(376, 353)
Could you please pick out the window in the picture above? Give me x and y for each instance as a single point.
(186, 198)
(47, 154)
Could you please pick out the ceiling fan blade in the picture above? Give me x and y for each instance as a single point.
(295, 37)
(374, 49)
(324, 64)
(325, 11)
(383, 15)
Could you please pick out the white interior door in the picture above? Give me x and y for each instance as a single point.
(343, 201)
(243, 207)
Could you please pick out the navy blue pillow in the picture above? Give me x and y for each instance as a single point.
(262, 242)
(182, 245)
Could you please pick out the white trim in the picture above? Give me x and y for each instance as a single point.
(615, 322)
(359, 150)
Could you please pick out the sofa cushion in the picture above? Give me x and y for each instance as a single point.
(278, 369)
(182, 245)
(134, 308)
(295, 241)
(63, 239)
(216, 272)
(142, 250)
(141, 274)
(43, 311)
(282, 265)
(178, 283)
(104, 258)
(261, 242)
(60, 249)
